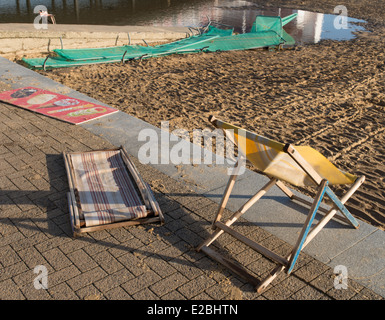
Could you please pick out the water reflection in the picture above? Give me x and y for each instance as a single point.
(308, 27)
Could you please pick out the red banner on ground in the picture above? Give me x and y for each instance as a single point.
(55, 105)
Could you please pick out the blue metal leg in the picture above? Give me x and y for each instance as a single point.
(341, 207)
(307, 225)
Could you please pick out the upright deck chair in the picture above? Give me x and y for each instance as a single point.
(296, 165)
(107, 191)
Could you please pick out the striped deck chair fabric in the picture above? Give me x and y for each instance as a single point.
(105, 189)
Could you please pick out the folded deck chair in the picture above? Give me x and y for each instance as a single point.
(296, 165)
(107, 191)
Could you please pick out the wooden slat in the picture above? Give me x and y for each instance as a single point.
(285, 189)
(239, 213)
(296, 156)
(255, 246)
(154, 204)
(74, 205)
(226, 195)
(121, 224)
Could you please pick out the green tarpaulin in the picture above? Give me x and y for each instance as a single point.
(266, 32)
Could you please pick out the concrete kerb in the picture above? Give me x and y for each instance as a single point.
(360, 251)
(23, 39)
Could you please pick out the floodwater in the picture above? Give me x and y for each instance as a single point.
(308, 27)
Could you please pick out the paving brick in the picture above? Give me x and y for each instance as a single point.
(185, 267)
(118, 293)
(89, 292)
(86, 278)
(100, 245)
(141, 282)
(190, 237)
(32, 257)
(82, 260)
(56, 258)
(325, 281)
(216, 292)
(311, 270)
(145, 294)
(62, 292)
(168, 284)
(25, 243)
(159, 265)
(278, 292)
(31, 293)
(135, 265)
(307, 293)
(175, 250)
(193, 288)
(108, 262)
(12, 270)
(8, 256)
(58, 277)
(353, 288)
(114, 280)
(76, 244)
(10, 291)
(7, 227)
(121, 234)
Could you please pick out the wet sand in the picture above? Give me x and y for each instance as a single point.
(328, 95)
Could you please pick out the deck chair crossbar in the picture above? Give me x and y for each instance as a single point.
(307, 233)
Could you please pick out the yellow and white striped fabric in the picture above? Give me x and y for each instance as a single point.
(269, 157)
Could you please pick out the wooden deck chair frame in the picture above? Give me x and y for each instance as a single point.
(155, 214)
(307, 233)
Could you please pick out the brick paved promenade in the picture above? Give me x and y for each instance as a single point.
(135, 263)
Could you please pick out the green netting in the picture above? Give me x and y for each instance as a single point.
(60, 62)
(287, 19)
(240, 42)
(266, 23)
(132, 51)
(262, 23)
(288, 39)
(101, 53)
(221, 32)
(266, 32)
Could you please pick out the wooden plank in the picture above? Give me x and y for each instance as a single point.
(285, 189)
(262, 285)
(296, 156)
(154, 204)
(255, 246)
(70, 179)
(236, 268)
(226, 196)
(72, 215)
(121, 224)
(239, 213)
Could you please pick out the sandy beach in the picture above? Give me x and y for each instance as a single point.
(329, 95)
